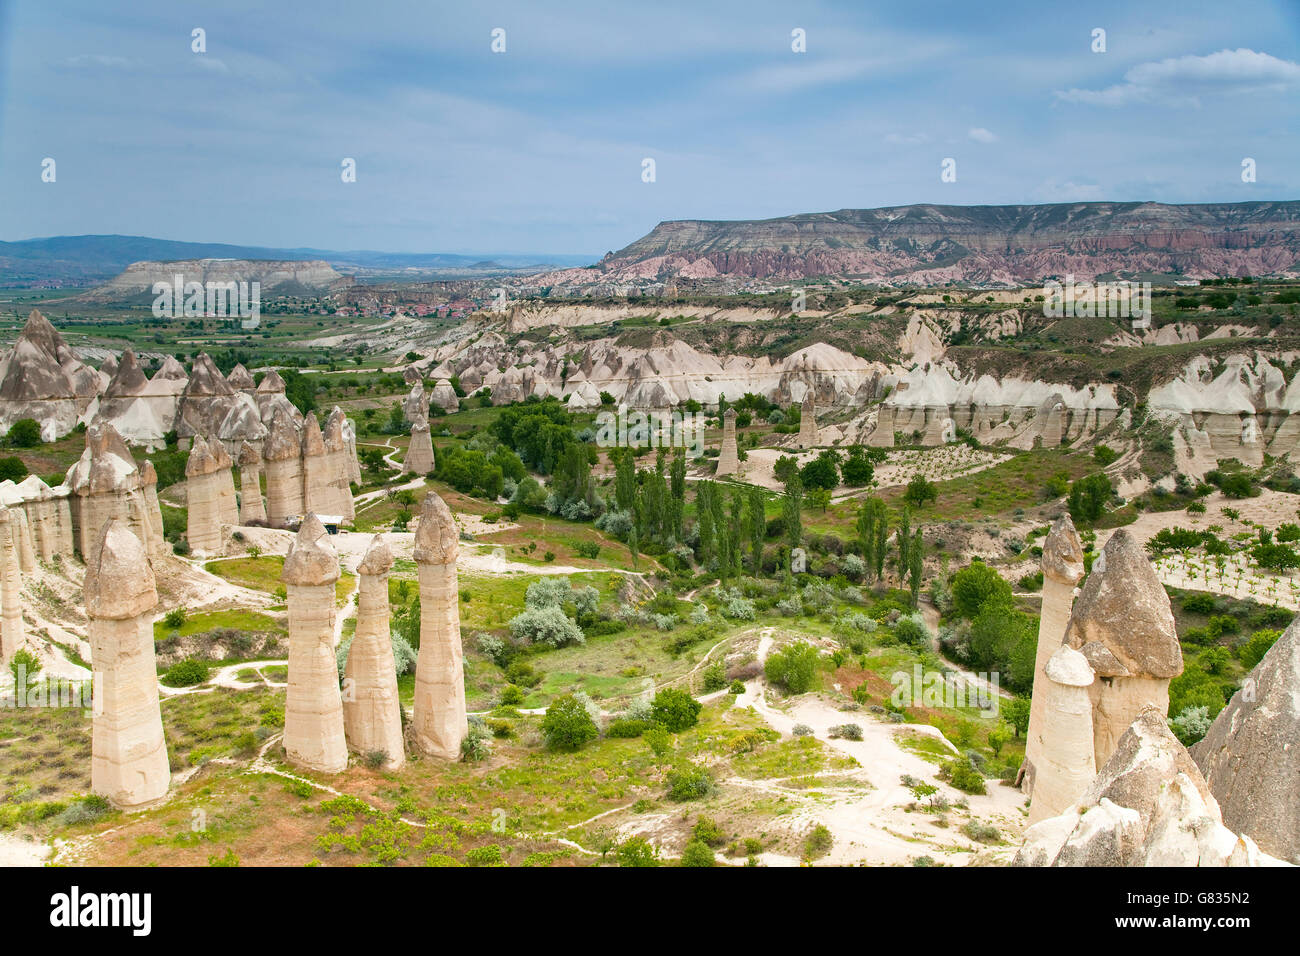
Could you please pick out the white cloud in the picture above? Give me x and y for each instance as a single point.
(981, 135)
(1182, 80)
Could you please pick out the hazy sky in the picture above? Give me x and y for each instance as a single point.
(540, 148)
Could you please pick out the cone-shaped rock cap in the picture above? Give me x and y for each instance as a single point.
(1063, 552)
(731, 414)
(1122, 616)
(206, 378)
(271, 382)
(282, 442)
(313, 443)
(378, 558)
(411, 375)
(311, 558)
(217, 449)
(148, 474)
(333, 431)
(170, 370)
(808, 401)
(1067, 666)
(248, 455)
(436, 539)
(200, 460)
(119, 581)
(240, 378)
(128, 378)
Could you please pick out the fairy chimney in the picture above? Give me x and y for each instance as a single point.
(313, 708)
(317, 492)
(251, 508)
(203, 494)
(1123, 625)
(419, 454)
(1062, 567)
(283, 456)
(1064, 758)
(439, 725)
(372, 712)
(12, 631)
(153, 510)
(728, 458)
(340, 472)
(128, 751)
(808, 422)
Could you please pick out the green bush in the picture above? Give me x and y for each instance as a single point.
(175, 618)
(675, 710)
(626, 728)
(794, 667)
(186, 674)
(567, 725)
(697, 853)
(962, 774)
(637, 851)
(689, 782)
(818, 842)
(24, 433)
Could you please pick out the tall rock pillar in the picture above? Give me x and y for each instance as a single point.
(282, 452)
(340, 473)
(440, 723)
(1062, 569)
(1065, 761)
(372, 712)
(203, 499)
(728, 457)
(12, 632)
(251, 508)
(1123, 625)
(808, 422)
(153, 511)
(128, 751)
(317, 493)
(313, 707)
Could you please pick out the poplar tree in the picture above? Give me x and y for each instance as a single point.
(916, 554)
(757, 526)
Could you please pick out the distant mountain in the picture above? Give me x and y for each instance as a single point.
(62, 261)
(931, 245)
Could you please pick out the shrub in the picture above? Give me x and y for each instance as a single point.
(978, 585)
(962, 774)
(715, 677)
(739, 609)
(567, 725)
(737, 687)
(637, 851)
(675, 710)
(545, 625)
(689, 782)
(794, 667)
(707, 831)
(981, 832)
(24, 433)
(1256, 646)
(697, 853)
(1191, 725)
(846, 732)
(624, 728)
(818, 842)
(186, 674)
(175, 618)
(512, 696)
(801, 730)
(477, 744)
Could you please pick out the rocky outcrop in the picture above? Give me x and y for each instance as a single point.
(41, 378)
(439, 724)
(241, 380)
(210, 406)
(932, 244)
(1123, 624)
(317, 490)
(13, 634)
(1149, 806)
(1062, 566)
(106, 483)
(271, 399)
(1251, 754)
(251, 508)
(128, 751)
(275, 276)
(1063, 763)
(45, 516)
(313, 707)
(372, 716)
(445, 397)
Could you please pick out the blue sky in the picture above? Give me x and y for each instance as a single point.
(540, 149)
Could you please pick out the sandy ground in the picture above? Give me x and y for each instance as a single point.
(875, 828)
